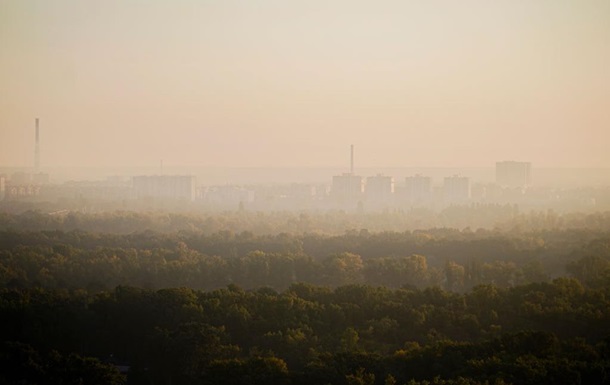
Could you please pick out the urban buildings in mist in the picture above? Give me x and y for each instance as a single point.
(348, 191)
(513, 184)
(180, 187)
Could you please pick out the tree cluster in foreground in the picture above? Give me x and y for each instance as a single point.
(553, 332)
(83, 298)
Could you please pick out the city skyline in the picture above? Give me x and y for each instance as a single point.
(273, 84)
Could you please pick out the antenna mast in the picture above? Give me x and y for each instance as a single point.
(37, 149)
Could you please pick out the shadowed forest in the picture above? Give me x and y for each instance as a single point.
(204, 299)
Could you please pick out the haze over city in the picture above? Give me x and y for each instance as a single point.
(293, 84)
(288, 192)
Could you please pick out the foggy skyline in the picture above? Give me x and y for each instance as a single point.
(293, 84)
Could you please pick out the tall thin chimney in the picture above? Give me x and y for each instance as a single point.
(351, 168)
(37, 149)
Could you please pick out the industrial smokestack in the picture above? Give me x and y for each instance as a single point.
(37, 149)
(351, 168)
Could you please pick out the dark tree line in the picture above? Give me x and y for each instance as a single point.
(538, 333)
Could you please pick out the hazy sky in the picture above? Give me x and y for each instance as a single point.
(294, 83)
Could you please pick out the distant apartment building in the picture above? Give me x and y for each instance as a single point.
(478, 192)
(179, 187)
(513, 174)
(456, 189)
(92, 191)
(227, 196)
(22, 185)
(379, 188)
(418, 188)
(347, 187)
(19, 191)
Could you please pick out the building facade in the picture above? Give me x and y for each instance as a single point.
(418, 188)
(456, 189)
(379, 188)
(347, 187)
(180, 187)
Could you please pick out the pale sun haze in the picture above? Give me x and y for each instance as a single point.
(295, 83)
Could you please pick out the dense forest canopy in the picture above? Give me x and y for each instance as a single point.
(164, 298)
(538, 333)
(455, 260)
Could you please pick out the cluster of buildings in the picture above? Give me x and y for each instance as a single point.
(22, 185)
(419, 190)
(346, 191)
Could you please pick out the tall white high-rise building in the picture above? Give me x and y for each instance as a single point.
(418, 188)
(347, 187)
(456, 189)
(379, 188)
